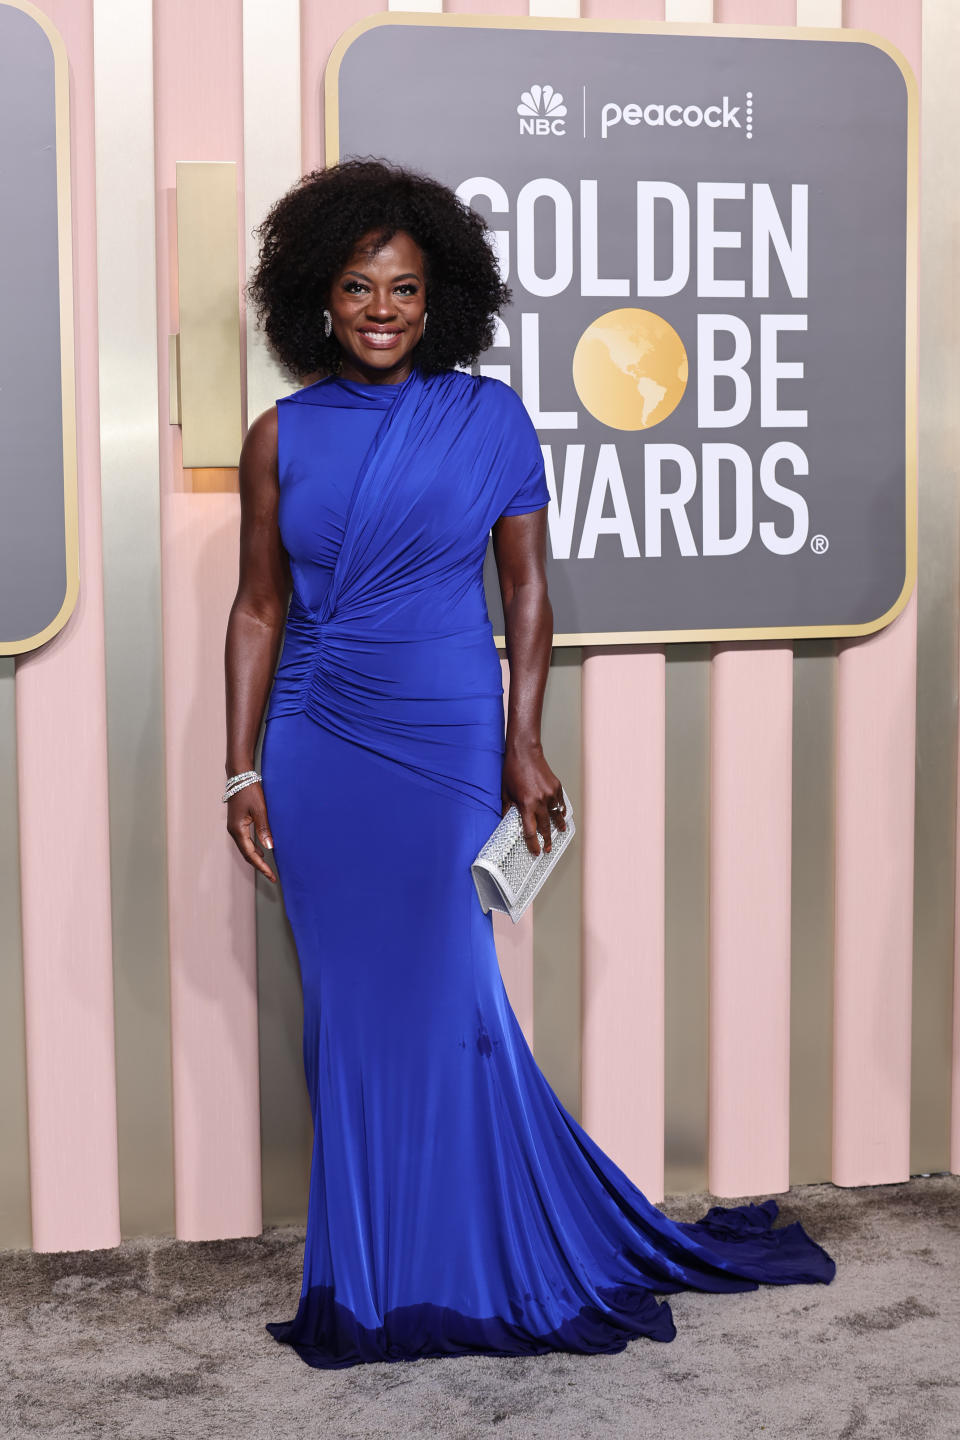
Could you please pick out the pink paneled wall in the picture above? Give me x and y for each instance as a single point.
(63, 822)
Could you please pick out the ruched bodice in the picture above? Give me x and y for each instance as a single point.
(388, 641)
(317, 478)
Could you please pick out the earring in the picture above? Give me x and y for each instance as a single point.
(424, 325)
(327, 323)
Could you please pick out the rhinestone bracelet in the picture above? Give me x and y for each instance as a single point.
(240, 782)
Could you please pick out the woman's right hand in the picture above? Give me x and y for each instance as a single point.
(246, 821)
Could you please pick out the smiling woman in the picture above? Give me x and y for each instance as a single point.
(455, 1207)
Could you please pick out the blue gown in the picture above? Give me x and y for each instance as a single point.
(455, 1205)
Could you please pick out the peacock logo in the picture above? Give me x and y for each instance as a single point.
(541, 111)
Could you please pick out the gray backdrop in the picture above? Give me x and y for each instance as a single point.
(831, 115)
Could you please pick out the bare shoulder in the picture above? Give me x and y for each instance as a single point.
(260, 441)
(258, 478)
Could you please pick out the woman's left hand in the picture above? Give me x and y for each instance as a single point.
(529, 783)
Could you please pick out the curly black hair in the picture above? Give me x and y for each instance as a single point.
(310, 232)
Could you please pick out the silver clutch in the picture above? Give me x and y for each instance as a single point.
(506, 874)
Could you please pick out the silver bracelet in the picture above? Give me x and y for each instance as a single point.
(240, 782)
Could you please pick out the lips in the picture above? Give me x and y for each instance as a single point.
(379, 339)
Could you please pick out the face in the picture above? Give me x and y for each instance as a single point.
(377, 304)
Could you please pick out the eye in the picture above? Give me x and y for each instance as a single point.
(354, 285)
(409, 288)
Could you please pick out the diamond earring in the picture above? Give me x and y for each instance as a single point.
(327, 323)
(424, 325)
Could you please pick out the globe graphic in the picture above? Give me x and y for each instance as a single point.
(630, 369)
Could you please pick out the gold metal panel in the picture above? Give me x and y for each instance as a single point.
(207, 269)
(15, 1228)
(130, 489)
(557, 909)
(812, 911)
(687, 913)
(939, 537)
(173, 377)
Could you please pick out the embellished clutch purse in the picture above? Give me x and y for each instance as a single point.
(506, 874)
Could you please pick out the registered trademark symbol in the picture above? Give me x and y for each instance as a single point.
(819, 544)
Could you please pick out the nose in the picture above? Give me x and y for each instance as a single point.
(381, 304)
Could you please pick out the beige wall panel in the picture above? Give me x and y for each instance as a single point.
(552, 9)
(828, 13)
(812, 911)
(286, 1124)
(686, 1084)
(557, 909)
(698, 11)
(130, 481)
(939, 576)
(271, 159)
(15, 1229)
(271, 164)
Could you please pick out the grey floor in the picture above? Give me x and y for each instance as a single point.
(163, 1339)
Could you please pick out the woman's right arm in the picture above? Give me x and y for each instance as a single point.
(254, 630)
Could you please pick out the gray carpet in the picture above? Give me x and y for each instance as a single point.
(165, 1339)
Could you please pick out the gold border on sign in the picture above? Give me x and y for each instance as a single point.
(67, 378)
(711, 32)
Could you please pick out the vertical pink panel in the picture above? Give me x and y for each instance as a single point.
(621, 829)
(198, 94)
(623, 706)
(876, 723)
(751, 710)
(899, 21)
(876, 733)
(751, 749)
(955, 1086)
(62, 776)
(213, 1000)
(321, 26)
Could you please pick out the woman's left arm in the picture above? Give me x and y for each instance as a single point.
(520, 550)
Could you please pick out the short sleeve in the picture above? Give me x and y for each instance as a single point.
(527, 476)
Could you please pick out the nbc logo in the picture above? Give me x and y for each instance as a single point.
(541, 111)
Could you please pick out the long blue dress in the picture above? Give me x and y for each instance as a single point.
(455, 1205)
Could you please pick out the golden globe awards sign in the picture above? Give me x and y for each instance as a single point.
(709, 236)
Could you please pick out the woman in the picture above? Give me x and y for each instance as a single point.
(455, 1205)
